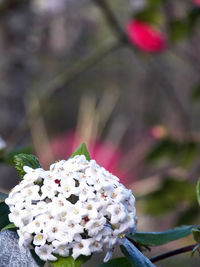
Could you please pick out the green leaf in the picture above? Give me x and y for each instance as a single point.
(118, 262)
(195, 93)
(4, 211)
(196, 235)
(69, 261)
(160, 238)
(198, 191)
(14, 152)
(3, 196)
(169, 197)
(189, 215)
(178, 30)
(193, 17)
(151, 15)
(82, 150)
(9, 226)
(165, 148)
(22, 160)
(154, 3)
(136, 258)
(189, 152)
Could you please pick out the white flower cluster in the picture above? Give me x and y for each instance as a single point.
(75, 208)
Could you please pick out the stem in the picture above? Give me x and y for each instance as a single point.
(63, 79)
(112, 20)
(173, 253)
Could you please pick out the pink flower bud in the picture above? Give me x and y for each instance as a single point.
(146, 37)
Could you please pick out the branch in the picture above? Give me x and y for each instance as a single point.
(63, 79)
(112, 21)
(173, 253)
(169, 90)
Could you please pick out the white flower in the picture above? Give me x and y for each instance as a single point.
(40, 239)
(55, 230)
(117, 212)
(45, 252)
(35, 226)
(86, 192)
(74, 208)
(73, 228)
(40, 207)
(95, 226)
(77, 211)
(49, 189)
(62, 250)
(24, 238)
(108, 256)
(31, 192)
(82, 248)
(68, 188)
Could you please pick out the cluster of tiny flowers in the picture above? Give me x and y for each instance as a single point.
(74, 208)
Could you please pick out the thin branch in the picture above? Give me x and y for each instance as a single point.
(63, 79)
(67, 76)
(112, 21)
(170, 92)
(173, 253)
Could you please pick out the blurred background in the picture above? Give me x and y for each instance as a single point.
(120, 75)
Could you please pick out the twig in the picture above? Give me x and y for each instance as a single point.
(112, 21)
(173, 253)
(63, 79)
(171, 94)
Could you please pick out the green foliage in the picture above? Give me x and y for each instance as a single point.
(9, 226)
(150, 15)
(188, 215)
(82, 150)
(181, 29)
(193, 17)
(21, 160)
(69, 261)
(162, 149)
(195, 93)
(3, 196)
(160, 238)
(17, 151)
(154, 3)
(198, 191)
(172, 151)
(3, 155)
(178, 30)
(169, 196)
(4, 211)
(118, 262)
(136, 258)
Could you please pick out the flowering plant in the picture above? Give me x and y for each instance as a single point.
(146, 37)
(77, 208)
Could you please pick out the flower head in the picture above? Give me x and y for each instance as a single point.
(75, 207)
(146, 37)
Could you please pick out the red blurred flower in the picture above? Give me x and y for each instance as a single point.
(146, 37)
(196, 2)
(106, 154)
